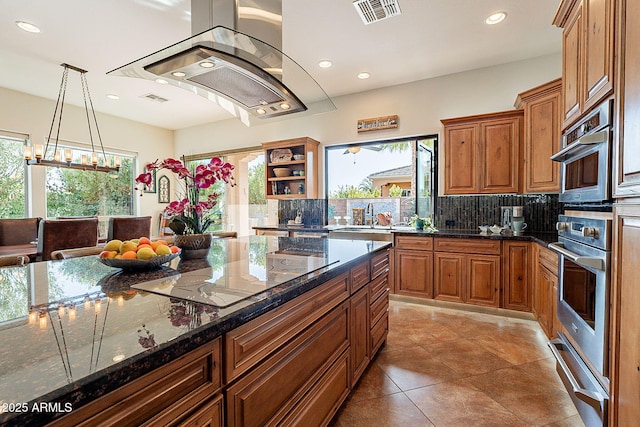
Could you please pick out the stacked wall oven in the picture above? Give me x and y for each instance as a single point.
(584, 273)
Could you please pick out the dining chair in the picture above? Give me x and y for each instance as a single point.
(163, 225)
(76, 252)
(12, 260)
(129, 227)
(18, 231)
(57, 234)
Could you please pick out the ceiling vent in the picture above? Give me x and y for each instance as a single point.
(376, 10)
(154, 98)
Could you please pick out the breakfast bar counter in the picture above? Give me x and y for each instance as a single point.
(72, 331)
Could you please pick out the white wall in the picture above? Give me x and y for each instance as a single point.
(32, 115)
(419, 105)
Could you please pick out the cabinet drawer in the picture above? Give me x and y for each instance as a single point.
(210, 414)
(379, 264)
(256, 339)
(379, 307)
(359, 276)
(473, 246)
(267, 393)
(159, 397)
(378, 286)
(323, 401)
(379, 333)
(548, 258)
(414, 242)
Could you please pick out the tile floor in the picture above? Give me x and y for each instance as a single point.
(445, 367)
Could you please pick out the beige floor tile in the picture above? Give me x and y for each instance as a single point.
(466, 358)
(389, 411)
(458, 404)
(413, 368)
(374, 383)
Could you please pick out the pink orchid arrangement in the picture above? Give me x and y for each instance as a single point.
(190, 215)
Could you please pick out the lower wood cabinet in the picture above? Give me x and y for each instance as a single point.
(468, 272)
(545, 290)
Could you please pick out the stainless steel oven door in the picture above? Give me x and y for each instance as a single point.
(584, 173)
(583, 282)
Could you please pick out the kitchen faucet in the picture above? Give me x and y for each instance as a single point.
(370, 211)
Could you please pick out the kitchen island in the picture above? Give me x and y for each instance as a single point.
(82, 337)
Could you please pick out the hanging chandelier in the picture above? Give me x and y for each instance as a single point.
(49, 155)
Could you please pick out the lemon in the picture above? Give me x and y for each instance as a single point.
(146, 253)
(163, 249)
(112, 245)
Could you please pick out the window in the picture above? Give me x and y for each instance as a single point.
(244, 206)
(12, 176)
(71, 192)
(396, 176)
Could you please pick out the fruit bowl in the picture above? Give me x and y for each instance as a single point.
(139, 264)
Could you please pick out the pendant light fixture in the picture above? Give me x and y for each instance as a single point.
(96, 161)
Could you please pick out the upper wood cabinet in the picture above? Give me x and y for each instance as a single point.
(482, 153)
(542, 136)
(626, 160)
(300, 157)
(587, 54)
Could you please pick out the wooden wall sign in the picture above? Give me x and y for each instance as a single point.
(378, 123)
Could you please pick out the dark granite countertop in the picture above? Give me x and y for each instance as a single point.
(285, 227)
(542, 238)
(117, 333)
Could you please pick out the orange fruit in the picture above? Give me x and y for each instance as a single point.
(144, 241)
(144, 245)
(175, 249)
(108, 254)
(130, 255)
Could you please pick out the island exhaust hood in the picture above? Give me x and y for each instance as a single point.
(234, 59)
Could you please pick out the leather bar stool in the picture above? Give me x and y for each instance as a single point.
(56, 234)
(130, 227)
(18, 231)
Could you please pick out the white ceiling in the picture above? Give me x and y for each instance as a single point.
(430, 38)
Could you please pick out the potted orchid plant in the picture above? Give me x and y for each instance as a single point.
(191, 216)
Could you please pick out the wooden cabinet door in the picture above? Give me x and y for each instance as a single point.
(413, 273)
(627, 147)
(483, 280)
(210, 414)
(542, 298)
(571, 59)
(542, 137)
(359, 329)
(461, 154)
(499, 148)
(598, 51)
(516, 268)
(450, 275)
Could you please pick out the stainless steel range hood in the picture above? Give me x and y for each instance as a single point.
(227, 63)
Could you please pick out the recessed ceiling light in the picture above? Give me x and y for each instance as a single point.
(261, 111)
(496, 18)
(162, 81)
(112, 96)
(178, 74)
(28, 26)
(285, 106)
(207, 64)
(325, 63)
(364, 75)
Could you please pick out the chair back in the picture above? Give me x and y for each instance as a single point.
(76, 252)
(56, 234)
(9, 260)
(129, 227)
(18, 231)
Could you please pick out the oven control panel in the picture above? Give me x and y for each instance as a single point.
(592, 231)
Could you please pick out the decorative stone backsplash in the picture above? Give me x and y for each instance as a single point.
(468, 212)
(313, 211)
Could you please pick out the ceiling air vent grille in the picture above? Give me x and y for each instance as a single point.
(154, 98)
(376, 10)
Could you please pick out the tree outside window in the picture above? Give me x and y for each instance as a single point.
(12, 178)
